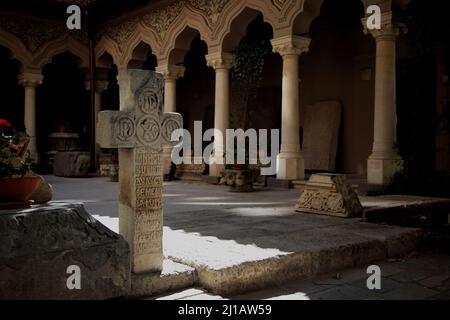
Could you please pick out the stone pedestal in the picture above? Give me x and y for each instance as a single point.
(108, 164)
(71, 164)
(192, 171)
(329, 194)
(38, 245)
(61, 142)
(239, 180)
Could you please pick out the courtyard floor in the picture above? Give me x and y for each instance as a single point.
(425, 277)
(238, 242)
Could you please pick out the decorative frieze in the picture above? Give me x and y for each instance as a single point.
(122, 32)
(34, 34)
(291, 45)
(220, 60)
(171, 72)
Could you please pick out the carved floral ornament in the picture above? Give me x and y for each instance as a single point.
(291, 45)
(161, 20)
(220, 60)
(34, 34)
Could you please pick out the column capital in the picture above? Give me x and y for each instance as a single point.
(30, 79)
(291, 45)
(389, 30)
(220, 60)
(171, 71)
(101, 85)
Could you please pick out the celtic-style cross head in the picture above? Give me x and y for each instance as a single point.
(142, 123)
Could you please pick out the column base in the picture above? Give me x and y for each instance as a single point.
(381, 171)
(290, 167)
(215, 170)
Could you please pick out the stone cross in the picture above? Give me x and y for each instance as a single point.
(139, 131)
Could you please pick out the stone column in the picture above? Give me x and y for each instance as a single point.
(100, 87)
(384, 161)
(171, 74)
(30, 81)
(291, 165)
(222, 63)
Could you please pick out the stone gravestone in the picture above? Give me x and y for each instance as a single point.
(321, 135)
(140, 130)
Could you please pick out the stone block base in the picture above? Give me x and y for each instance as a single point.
(329, 194)
(71, 164)
(190, 172)
(173, 277)
(39, 245)
(215, 170)
(381, 171)
(290, 167)
(239, 180)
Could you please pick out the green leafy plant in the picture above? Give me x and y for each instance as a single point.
(14, 158)
(246, 79)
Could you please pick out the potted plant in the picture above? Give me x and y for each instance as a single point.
(15, 162)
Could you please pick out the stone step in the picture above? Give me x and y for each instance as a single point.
(174, 277)
(407, 211)
(228, 268)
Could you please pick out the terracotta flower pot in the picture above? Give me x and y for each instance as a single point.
(17, 189)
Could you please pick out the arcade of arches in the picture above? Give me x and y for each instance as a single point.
(321, 52)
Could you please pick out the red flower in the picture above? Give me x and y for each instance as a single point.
(4, 123)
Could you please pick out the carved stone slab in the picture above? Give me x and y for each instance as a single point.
(38, 245)
(140, 131)
(329, 194)
(321, 135)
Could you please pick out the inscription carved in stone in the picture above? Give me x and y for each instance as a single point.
(143, 129)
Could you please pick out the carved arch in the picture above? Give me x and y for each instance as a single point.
(186, 20)
(142, 34)
(236, 8)
(64, 44)
(107, 45)
(18, 50)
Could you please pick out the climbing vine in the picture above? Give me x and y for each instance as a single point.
(246, 79)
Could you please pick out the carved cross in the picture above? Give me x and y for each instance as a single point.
(139, 131)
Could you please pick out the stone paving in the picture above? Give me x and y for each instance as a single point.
(242, 241)
(424, 277)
